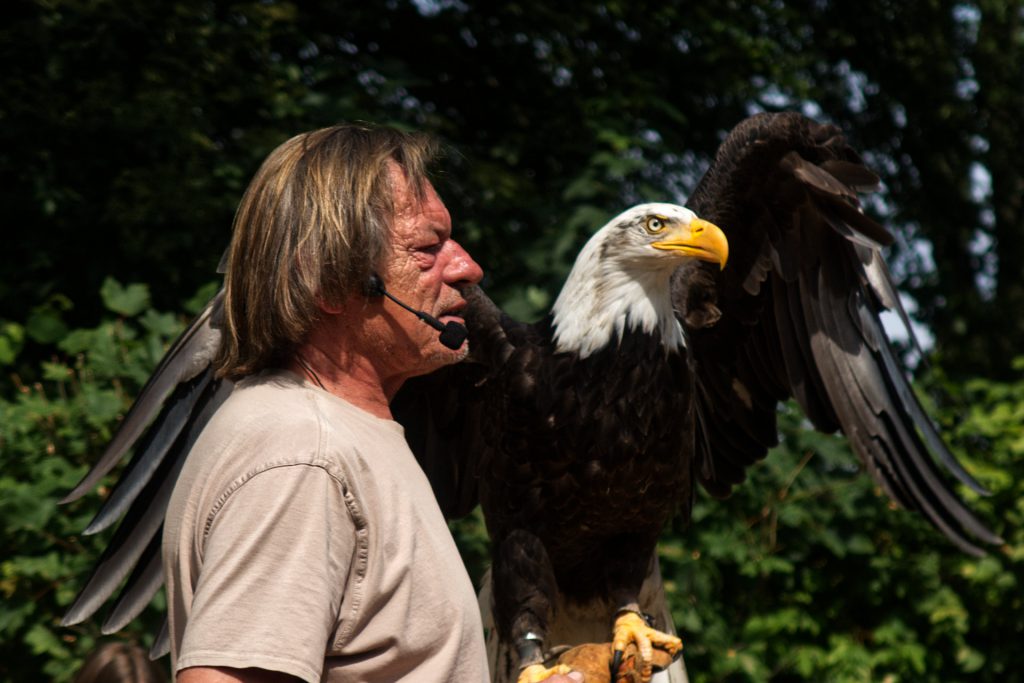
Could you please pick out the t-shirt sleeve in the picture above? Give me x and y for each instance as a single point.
(275, 563)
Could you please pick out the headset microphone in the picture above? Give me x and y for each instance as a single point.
(452, 333)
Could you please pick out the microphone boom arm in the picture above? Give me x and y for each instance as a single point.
(452, 334)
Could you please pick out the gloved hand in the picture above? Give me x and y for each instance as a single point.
(593, 660)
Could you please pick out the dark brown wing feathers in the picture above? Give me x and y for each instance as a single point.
(800, 303)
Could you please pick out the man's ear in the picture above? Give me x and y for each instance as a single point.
(371, 290)
(328, 307)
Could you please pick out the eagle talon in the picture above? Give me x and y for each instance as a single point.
(535, 673)
(632, 627)
(616, 662)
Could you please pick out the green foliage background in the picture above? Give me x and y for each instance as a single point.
(129, 130)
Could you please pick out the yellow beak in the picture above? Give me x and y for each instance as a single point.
(700, 239)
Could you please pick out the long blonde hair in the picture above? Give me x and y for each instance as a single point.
(311, 227)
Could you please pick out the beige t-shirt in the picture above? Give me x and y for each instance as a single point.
(303, 537)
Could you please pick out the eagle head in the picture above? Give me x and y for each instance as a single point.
(620, 280)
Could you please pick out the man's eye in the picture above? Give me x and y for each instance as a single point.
(426, 256)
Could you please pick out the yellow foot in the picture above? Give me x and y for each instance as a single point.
(535, 673)
(631, 627)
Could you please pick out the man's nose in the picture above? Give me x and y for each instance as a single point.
(462, 268)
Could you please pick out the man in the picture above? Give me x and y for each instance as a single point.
(302, 541)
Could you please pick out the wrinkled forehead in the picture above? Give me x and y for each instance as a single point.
(417, 212)
(405, 196)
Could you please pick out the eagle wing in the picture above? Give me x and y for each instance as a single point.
(445, 413)
(796, 313)
(159, 430)
(442, 419)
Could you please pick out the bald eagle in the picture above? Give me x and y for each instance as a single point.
(660, 368)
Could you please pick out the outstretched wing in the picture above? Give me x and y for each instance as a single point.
(799, 306)
(159, 429)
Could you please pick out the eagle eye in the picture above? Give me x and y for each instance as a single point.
(655, 224)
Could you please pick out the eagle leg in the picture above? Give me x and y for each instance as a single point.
(524, 597)
(632, 627)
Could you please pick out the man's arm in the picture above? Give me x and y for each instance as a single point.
(223, 674)
(271, 585)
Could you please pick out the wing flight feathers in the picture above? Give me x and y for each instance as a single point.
(190, 354)
(162, 644)
(802, 294)
(151, 451)
(160, 428)
(143, 583)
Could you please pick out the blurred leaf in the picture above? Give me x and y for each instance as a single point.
(127, 300)
(43, 641)
(202, 297)
(12, 338)
(45, 324)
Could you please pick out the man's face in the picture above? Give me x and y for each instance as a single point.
(424, 270)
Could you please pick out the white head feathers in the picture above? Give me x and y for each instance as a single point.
(620, 282)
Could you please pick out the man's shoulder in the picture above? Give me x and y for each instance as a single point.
(275, 419)
(269, 388)
(266, 402)
(263, 410)
(277, 408)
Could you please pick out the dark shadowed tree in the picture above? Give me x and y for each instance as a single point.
(130, 130)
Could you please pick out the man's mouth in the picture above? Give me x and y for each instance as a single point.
(453, 312)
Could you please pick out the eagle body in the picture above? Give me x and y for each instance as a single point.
(585, 467)
(579, 470)
(579, 466)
